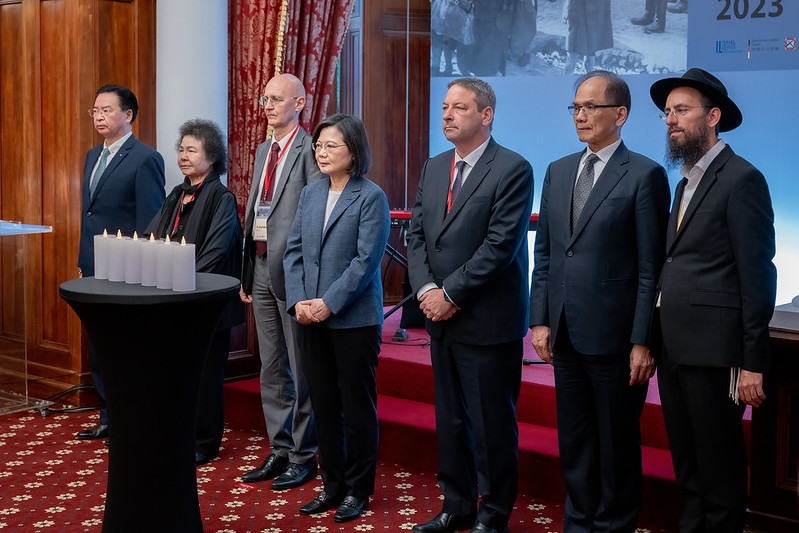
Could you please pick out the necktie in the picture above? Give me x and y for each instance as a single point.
(585, 182)
(266, 195)
(457, 183)
(100, 169)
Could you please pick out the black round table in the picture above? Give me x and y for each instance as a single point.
(152, 344)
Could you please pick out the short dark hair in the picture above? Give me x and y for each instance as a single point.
(484, 94)
(208, 133)
(127, 100)
(616, 92)
(354, 133)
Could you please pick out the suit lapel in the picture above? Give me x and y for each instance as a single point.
(614, 170)
(705, 185)
(113, 163)
(671, 230)
(476, 177)
(292, 155)
(350, 193)
(91, 160)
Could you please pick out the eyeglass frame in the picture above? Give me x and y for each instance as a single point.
(680, 111)
(263, 99)
(102, 111)
(574, 110)
(326, 147)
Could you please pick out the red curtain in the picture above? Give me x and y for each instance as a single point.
(253, 33)
(310, 45)
(315, 31)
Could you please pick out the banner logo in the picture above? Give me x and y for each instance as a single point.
(790, 43)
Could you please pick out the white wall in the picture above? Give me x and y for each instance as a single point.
(191, 71)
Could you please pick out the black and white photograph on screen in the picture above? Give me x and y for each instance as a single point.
(489, 38)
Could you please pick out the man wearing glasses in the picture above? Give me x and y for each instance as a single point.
(284, 164)
(598, 253)
(123, 188)
(716, 298)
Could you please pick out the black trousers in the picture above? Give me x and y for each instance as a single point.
(340, 366)
(707, 444)
(210, 404)
(476, 391)
(599, 438)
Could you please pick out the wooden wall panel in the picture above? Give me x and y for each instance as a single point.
(387, 28)
(54, 56)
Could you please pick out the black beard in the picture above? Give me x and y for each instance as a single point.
(687, 153)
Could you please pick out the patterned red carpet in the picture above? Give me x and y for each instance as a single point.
(50, 482)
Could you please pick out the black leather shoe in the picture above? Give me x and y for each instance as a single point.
(646, 18)
(656, 27)
(350, 509)
(446, 523)
(200, 458)
(323, 502)
(295, 475)
(100, 431)
(272, 467)
(480, 527)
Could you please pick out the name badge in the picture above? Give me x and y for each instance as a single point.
(261, 214)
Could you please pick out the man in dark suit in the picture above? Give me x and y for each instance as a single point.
(123, 188)
(598, 252)
(717, 292)
(468, 263)
(284, 164)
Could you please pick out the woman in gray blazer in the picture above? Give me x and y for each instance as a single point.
(333, 289)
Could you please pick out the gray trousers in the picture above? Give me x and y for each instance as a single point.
(284, 390)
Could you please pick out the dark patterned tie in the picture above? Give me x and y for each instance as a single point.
(585, 182)
(100, 170)
(457, 183)
(266, 194)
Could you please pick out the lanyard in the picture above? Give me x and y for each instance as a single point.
(181, 204)
(271, 176)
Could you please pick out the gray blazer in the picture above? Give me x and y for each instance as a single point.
(299, 170)
(340, 261)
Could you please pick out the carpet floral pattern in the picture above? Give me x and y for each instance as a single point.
(50, 482)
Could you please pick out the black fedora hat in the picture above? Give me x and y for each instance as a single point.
(708, 85)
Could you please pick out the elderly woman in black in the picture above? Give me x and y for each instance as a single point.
(203, 210)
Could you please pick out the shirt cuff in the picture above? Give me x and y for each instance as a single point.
(426, 287)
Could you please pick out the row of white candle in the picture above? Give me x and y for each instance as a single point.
(152, 263)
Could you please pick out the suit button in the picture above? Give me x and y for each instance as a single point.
(669, 259)
(438, 248)
(570, 253)
(316, 263)
(88, 213)
(562, 283)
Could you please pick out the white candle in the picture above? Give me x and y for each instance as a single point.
(101, 244)
(133, 259)
(183, 274)
(164, 274)
(116, 258)
(149, 262)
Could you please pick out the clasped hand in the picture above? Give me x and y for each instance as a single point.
(310, 311)
(435, 307)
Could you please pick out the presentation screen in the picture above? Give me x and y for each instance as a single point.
(533, 51)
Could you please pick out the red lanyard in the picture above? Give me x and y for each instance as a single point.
(180, 206)
(271, 176)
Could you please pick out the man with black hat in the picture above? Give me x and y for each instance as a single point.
(716, 297)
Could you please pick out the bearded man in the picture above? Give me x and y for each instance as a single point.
(716, 297)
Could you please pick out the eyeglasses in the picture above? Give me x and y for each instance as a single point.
(327, 147)
(276, 100)
(104, 112)
(589, 109)
(679, 111)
